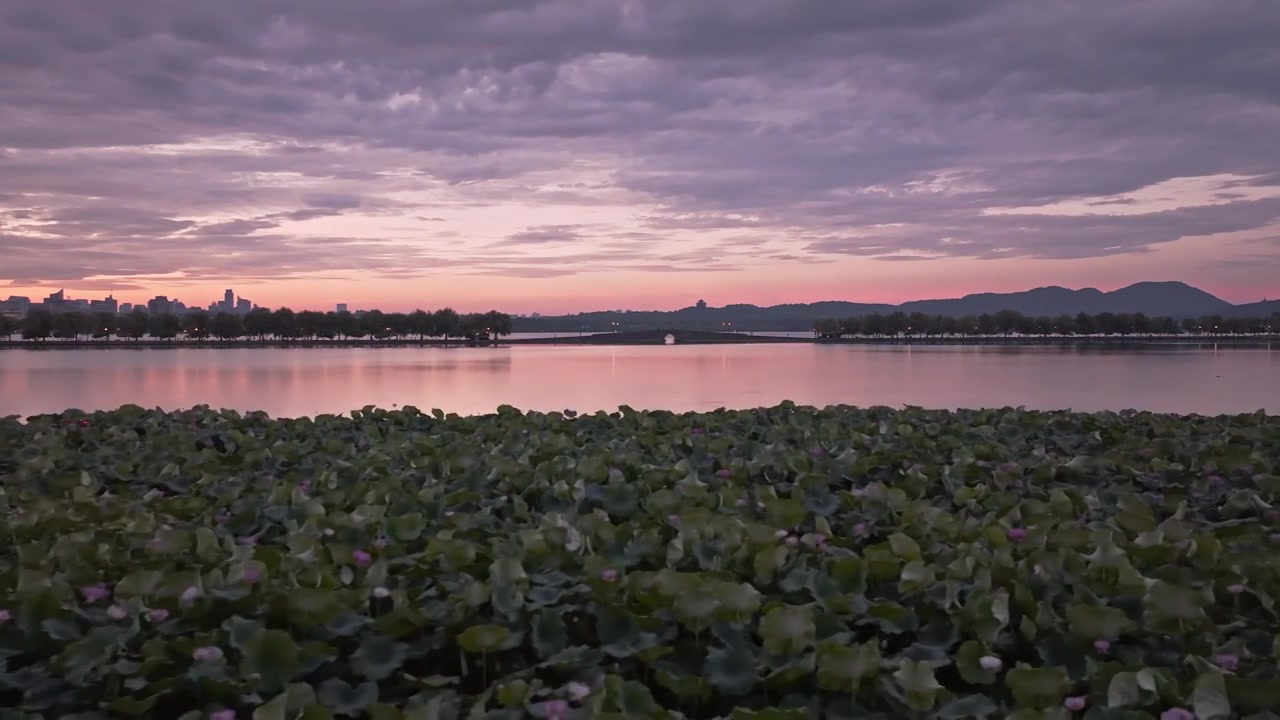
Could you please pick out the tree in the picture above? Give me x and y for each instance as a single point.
(164, 326)
(8, 326)
(37, 325)
(195, 324)
(226, 326)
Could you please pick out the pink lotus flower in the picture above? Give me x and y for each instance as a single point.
(222, 715)
(740, 502)
(1102, 646)
(861, 528)
(362, 558)
(1227, 661)
(115, 612)
(1076, 703)
(578, 690)
(206, 654)
(556, 709)
(222, 518)
(94, 593)
(380, 543)
(158, 615)
(5, 616)
(252, 574)
(1177, 714)
(1235, 589)
(1217, 481)
(724, 473)
(190, 594)
(791, 541)
(1017, 534)
(609, 575)
(673, 519)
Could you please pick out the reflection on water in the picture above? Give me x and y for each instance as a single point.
(293, 382)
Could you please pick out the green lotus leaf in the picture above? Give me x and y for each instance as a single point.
(343, 699)
(842, 668)
(479, 639)
(1093, 622)
(969, 706)
(732, 670)
(274, 656)
(1038, 687)
(1209, 697)
(549, 635)
(787, 629)
(919, 685)
(377, 657)
(968, 661)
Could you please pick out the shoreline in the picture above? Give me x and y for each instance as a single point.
(682, 337)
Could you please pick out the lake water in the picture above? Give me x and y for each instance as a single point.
(295, 382)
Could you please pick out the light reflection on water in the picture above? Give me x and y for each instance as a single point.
(293, 382)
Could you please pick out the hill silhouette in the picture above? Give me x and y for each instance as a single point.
(1173, 299)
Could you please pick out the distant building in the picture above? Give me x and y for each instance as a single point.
(342, 307)
(243, 306)
(107, 305)
(159, 305)
(702, 305)
(15, 306)
(126, 308)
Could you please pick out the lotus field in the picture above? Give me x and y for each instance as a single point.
(784, 563)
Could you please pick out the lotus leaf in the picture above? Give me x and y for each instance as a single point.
(780, 563)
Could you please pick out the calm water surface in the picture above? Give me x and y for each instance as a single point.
(295, 382)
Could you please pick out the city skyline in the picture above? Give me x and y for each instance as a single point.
(550, 158)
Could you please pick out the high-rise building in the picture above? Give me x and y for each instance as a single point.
(126, 308)
(159, 305)
(342, 307)
(108, 305)
(15, 306)
(243, 306)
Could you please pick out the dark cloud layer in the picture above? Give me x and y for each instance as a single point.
(136, 136)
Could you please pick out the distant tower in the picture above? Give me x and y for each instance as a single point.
(702, 305)
(229, 300)
(342, 307)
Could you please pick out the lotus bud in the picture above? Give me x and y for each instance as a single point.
(609, 575)
(1227, 661)
(791, 541)
(1217, 481)
(252, 574)
(1075, 703)
(556, 709)
(1017, 534)
(381, 592)
(860, 528)
(328, 532)
(158, 615)
(190, 594)
(1102, 646)
(222, 518)
(5, 616)
(207, 654)
(362, 558)
(222, 715)
(819, 539)
(740, 502)
(673, 519)
(1177, 714)
(578, 690)
(1235, 589)
(380, 543)
(115, 612)
(990, 662)
(724, 473)
(780, 534)
(94, 593)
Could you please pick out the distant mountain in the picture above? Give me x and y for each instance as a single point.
(1174, 299)
(1266, 308)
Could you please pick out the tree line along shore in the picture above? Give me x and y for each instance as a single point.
(448, 327)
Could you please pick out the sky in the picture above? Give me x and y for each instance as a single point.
(570, 155)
